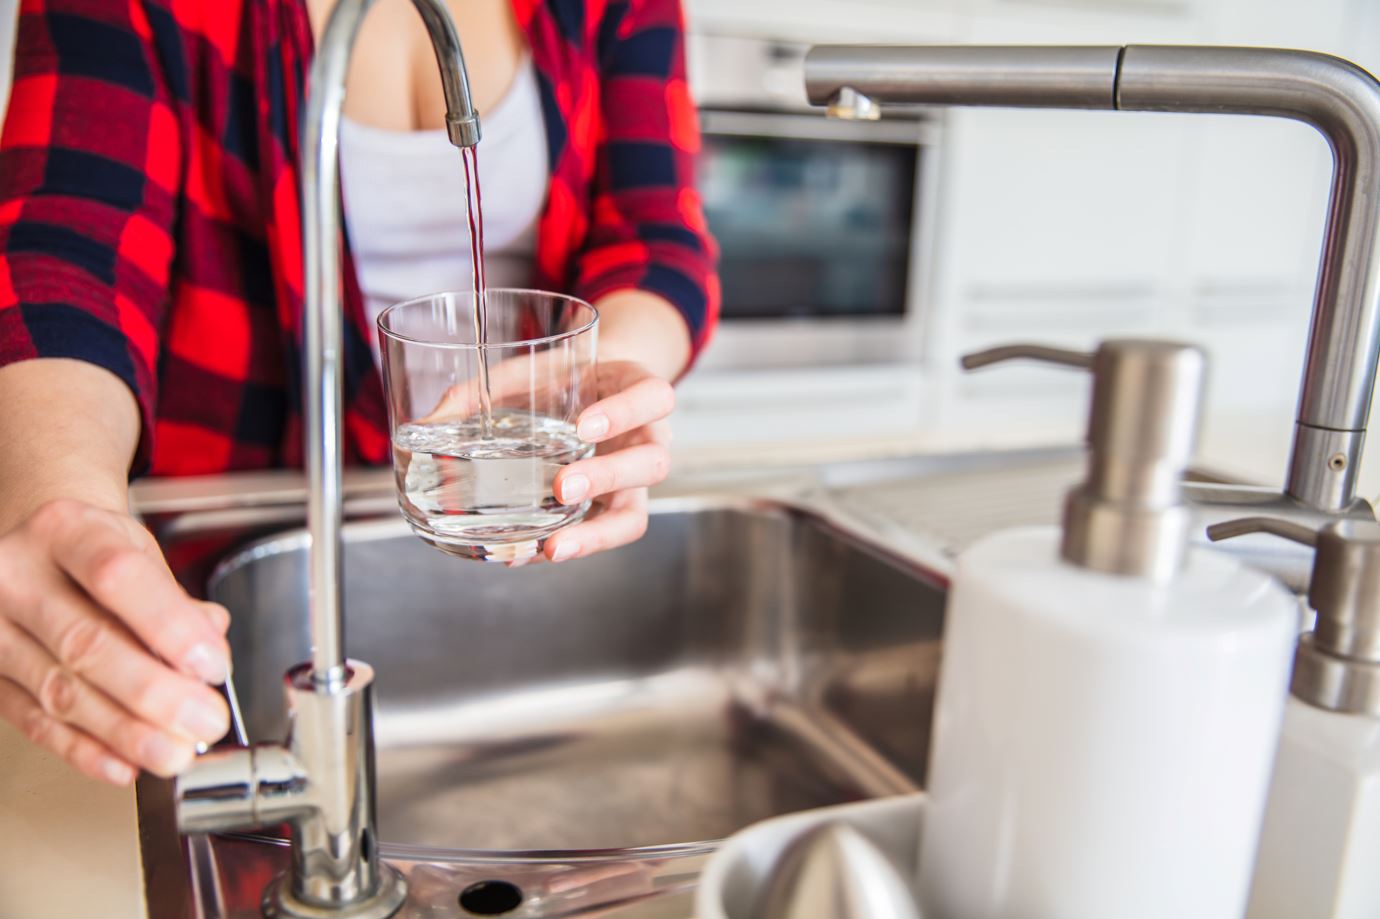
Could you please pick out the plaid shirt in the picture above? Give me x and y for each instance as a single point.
(150, 221)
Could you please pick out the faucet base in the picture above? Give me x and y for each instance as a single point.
(1293, 564)
(279, 903)
(1323, 465)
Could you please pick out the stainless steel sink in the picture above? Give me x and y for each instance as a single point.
(743, 660)
(587, 732)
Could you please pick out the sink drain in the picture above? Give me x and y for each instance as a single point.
(491, 898)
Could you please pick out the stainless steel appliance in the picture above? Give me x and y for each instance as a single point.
(823, 225)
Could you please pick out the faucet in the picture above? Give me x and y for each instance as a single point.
(1335, 96)
(321, 781)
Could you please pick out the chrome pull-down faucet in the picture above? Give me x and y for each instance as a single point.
(1338, 98)
(322, 780)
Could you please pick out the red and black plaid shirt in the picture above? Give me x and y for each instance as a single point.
(150, 221)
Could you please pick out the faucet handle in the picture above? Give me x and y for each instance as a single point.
(1338, 663)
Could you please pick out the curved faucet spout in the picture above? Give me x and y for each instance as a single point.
(322, 380)
(462, 121)
(1343, 102)
(1338, 98)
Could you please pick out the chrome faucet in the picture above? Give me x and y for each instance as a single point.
(322, 780)
(1338, 98)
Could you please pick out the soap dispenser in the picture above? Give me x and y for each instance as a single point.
(1110, 699)
(1320, 846)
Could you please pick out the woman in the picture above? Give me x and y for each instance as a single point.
(151, 288)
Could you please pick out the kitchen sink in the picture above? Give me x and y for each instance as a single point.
(588, 732)
(743, 660)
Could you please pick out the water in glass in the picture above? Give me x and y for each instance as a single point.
(463, 489)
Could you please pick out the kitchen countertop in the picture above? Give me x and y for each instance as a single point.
(72, 843)
(68, 846)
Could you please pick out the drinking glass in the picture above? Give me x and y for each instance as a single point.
(481, 488)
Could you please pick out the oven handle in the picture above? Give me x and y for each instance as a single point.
(813, 127)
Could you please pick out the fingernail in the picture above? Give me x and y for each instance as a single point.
(574, 488)
(208, 664)
(219, 616)
(202, 721)
(117, 772)
(163, 756)
(566, 550)
(592, 427)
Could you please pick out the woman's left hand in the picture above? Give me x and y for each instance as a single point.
(628, 423)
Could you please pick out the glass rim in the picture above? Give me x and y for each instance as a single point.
(475, 346)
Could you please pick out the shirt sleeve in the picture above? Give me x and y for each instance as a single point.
(647, 229)
(90, 160)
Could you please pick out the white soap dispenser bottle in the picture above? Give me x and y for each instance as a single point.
(1110, 699)
(1320, 846)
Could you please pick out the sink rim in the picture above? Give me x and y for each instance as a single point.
(298, 537)
(455, 855)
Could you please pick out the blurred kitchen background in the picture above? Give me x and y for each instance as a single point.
(860, 260)
(857, 270)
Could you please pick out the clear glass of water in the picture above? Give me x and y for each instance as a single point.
(482, 419)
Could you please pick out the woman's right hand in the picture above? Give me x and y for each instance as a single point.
(104, 658)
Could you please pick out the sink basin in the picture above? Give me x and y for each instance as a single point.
(743, 660)
(585, 734)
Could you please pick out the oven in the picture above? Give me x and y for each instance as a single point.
(824, 226)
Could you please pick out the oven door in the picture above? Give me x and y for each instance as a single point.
(822, 228)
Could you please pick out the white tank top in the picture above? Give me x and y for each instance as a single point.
(405, 201)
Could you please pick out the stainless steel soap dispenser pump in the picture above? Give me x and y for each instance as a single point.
(1129, 516)
(1321, 838)
(1110, 696)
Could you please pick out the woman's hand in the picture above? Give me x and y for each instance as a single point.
(628, 423)
(643, 343)
(104, 659)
